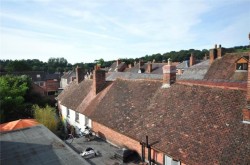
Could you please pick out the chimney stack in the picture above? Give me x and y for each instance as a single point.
(220, 51)
(118, 62)
(141, 63)
(216, 53)
(99, 80)
(79, 74)
(169, 74)
(191, 60)
(246, 111)
(150, 67)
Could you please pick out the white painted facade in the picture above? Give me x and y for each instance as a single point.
(71, 118)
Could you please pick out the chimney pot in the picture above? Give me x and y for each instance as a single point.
(169, 61)
(118, 62)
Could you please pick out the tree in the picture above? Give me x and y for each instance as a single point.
(12, 99)
(46, 116)
(100, 62)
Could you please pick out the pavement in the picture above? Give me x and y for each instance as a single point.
(105, 151)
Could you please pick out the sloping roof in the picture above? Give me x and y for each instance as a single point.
(74, 93)
(69, 74)
(127, 75)
(17, 124)
(195, 124)
(34, 75)
(183, 65)
(156, 68)
(196, 72)
(36, 145)
(115, 68)
(224, 68)
(52, 76)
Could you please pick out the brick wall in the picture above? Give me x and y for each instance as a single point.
(121, 140)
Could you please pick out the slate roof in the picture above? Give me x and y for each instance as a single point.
(52, 76)
(156, 68)
(224, 68)
(127, 75)
(69, 74)
(195, 124)
(196, 72)
(74, 93)
(183, 65)
(115, 68)
(36, 145)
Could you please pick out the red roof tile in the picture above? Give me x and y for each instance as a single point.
(198, 125)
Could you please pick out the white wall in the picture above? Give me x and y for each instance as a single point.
(71, 118)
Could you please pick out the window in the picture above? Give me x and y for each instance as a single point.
(170, 161)
(86, 121)
(68, 112)
(241, 66)
(77, 117)
(38, 76)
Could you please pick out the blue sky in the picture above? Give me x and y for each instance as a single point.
(86, 30)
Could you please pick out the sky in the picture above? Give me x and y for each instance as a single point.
(87, 30)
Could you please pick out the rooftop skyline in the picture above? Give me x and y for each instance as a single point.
(83, 31)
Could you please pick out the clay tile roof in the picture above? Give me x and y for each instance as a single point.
(224, 68)
(18, 124)
(74, 93)
(195, 124)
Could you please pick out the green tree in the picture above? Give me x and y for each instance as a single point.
(12, 98)
(46, 116)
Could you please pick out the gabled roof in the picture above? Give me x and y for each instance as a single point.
(36, 145)
(69, 74)
(195, 124)
(224, 68)
(74, 93)
(115, 68)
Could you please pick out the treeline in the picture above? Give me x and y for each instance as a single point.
(61, 65)
(17, 98)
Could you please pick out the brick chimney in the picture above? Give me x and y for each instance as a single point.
(220, 51)
(213, 54)
(98, 80)
(79, 74)
(150, 67)
(169, 74)
(246, 111)
(191, 60)
(118, 62)
(141, 63)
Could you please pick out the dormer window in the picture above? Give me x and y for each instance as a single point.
(242, 64)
